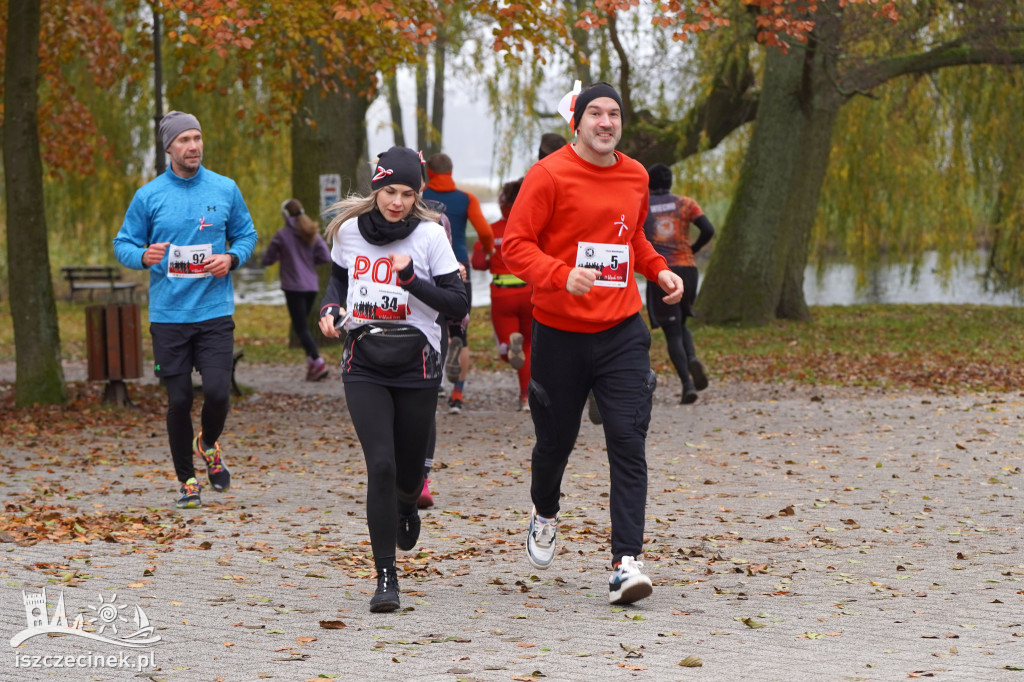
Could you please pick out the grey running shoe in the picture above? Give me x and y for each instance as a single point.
(452, 367)
(189, 499)
(516, 356)
(216, 470)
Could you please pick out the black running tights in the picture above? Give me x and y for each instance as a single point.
(299, 304)
(393, 425)
(675, 337)
(216, 402)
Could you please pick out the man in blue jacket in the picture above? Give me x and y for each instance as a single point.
(190, 227)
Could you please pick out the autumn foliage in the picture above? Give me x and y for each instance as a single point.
(308, 45)
(777, 22)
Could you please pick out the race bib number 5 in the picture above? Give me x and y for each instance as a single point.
(187, 262)
(372, 301)
(611, 260)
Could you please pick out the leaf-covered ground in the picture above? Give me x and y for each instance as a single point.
(815, 531)
(931, 347)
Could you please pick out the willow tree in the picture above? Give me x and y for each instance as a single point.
(789, 67)
(935, 184)
(757, 268)
(322, 61)
(820, 57)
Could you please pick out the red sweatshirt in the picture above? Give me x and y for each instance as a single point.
(565, 200)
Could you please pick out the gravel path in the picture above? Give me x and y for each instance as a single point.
(793, 533)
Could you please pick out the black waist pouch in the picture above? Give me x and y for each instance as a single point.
(387, 347)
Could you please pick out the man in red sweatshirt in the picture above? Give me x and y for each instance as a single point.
(576, 233)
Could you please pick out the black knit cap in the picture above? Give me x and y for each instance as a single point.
(398, 166)
(660, 177)
(588, 95)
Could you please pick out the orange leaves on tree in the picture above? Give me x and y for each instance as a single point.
(778, 22)
(523, 25)
(216, 24)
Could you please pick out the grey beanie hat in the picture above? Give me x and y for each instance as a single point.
(174, 123)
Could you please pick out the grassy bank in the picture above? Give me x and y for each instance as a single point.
(946, 347)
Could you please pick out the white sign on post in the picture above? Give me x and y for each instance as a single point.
(330, 190)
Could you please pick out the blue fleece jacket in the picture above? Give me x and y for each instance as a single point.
(205, 209)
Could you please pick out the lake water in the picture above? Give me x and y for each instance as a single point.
(837, 286)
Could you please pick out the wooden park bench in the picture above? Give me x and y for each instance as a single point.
(97, 278)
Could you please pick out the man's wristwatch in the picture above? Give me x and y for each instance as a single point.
(234, 260)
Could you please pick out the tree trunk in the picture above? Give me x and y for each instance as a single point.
(435, 132)
(39, 375)
(395, 107)
(422, 115)
(581, 38)
(756, 269)
(328, 136)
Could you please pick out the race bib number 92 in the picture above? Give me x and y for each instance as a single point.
(187, 262)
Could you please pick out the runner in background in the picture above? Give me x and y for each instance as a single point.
(299, 248)
(511, 309)
(668, 229)
(461, 207)
(190, 228)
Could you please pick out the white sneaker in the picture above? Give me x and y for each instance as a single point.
(540, 543)
(627, 583)
(516, 356)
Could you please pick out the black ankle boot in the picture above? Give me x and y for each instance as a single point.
(700, 379)
(689, 393)
(386, 596)
(408, 530)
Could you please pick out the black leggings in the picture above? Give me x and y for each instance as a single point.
(393, 425)
(216, 403)
(680, 347)
(299, 304)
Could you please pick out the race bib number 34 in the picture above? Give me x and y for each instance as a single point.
(381, 302)
(188, 261)
(612, 260)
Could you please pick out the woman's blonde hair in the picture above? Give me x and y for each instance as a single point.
(355, 205)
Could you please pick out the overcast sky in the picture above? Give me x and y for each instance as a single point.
(468, 130)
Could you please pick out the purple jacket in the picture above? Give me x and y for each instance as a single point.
(298, 260)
